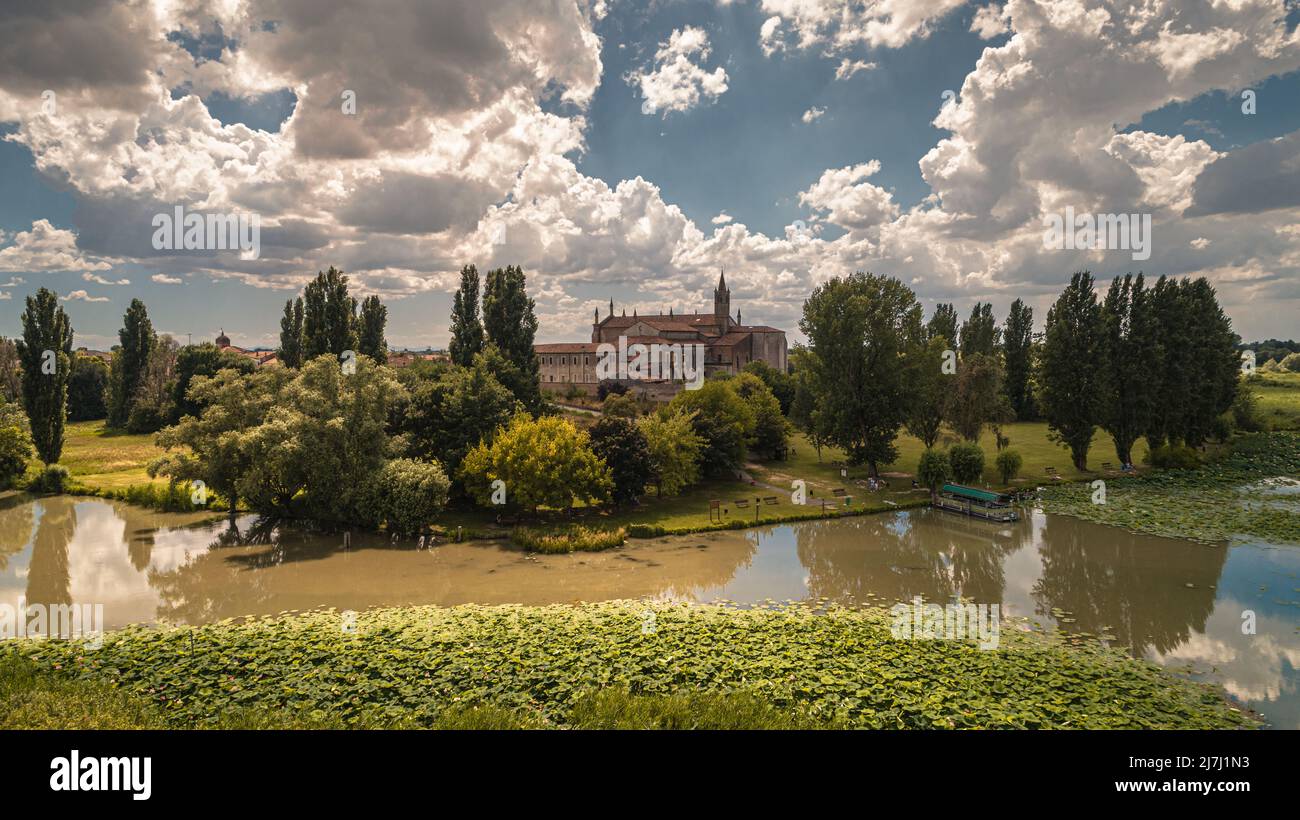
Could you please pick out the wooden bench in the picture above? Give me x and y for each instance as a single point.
(742, 503)
(770, 500)
(1107, 467)
(1052, 473)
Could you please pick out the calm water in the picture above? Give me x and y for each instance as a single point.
(1175, 602)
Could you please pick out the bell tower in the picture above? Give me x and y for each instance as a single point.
(722, 303)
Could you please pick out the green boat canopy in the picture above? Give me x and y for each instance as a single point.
(973, 493)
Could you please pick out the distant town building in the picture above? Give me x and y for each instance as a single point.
(261, 358)
(729, 345)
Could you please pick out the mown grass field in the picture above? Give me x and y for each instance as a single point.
(1279, 399)
(423, 666)
(1027, 438)
(105, 459)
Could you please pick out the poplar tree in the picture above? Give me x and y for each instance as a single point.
(511, 325)
(466, 329)
(329, 316)
(370, 330)
(1071, 374)
(1017, 344)
(136, 343)
(290, 352)
(45, 352)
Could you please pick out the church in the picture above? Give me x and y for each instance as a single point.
(729, 344)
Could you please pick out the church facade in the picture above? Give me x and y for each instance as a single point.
(728, 344)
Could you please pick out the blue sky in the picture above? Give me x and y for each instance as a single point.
(508, 133)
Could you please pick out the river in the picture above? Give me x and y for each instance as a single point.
(1187, 606)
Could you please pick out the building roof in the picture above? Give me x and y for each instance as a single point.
(730, 340)
(974, 493)
(566, 347)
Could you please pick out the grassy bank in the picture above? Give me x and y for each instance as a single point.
(103, 459)
(1222, 500)
(543, 665)
(1278, 397)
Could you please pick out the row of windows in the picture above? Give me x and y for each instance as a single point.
(565, 359)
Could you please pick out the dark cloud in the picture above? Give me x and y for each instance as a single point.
(1250, 180)
(100, 48)
(409, 60)
(404, 203)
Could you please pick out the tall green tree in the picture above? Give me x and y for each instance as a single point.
(290, 352)
(466, 329)
(204, 359)
(975, 395)
(1216, 376)
(87, 388)
(723, 421)
(449, 415)
(860, 329)
(45, 351)
(1129, 334)
(212, 446)
(931, 387)
(979, 333)
(623, 447)
(1071, 377)
(329, 316)
(370, 329)
(943, 323)
(137, 340)
(779, 382)
(771, 430)
(1171, 361)
(675, 450)
(1017, 357)
(804, 413)
(511, 324)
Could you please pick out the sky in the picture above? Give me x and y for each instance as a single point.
(631, 150)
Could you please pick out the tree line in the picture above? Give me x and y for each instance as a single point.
(1156, 362)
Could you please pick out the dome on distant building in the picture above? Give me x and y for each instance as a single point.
(223, 340)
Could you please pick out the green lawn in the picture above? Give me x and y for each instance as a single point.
(1027, 438)
(1279, 399)
(103, 458)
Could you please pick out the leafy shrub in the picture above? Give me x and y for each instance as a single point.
(405, 495)
(542, 462)
(15, 444)
(148, 417)
(933, 470)
(1246, 415)
(967, 460)
(53, 479)
(568, 539)
(169, 497)
(1009, 463)
(646, 530)
(1174, 457)
(608, 387)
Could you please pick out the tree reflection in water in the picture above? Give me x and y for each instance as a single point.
(1148, 592)
(16, 517)
(48, 581)
(901, 555)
